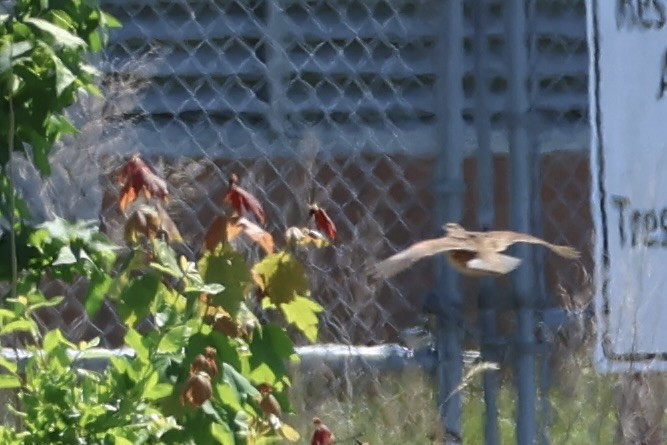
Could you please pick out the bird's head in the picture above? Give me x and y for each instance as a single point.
(452, 229)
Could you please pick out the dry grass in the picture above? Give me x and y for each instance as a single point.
(400, 408)
(387, 409)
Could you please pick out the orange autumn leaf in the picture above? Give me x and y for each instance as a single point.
(216, 233)
(137, 177)
(226, 229)
(323, 222)
(260, 236)
(242, 201)
(235, 227)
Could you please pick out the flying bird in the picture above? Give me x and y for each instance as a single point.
(471, 253)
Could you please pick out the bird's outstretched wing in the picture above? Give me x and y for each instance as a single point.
(406, 258)
(510, 238)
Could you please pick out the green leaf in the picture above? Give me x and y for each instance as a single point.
(166, 257)
(121, 441)
(242, 385)
(55, 346)
(226, 347)
(6, 314)
(242, 423)
(138, 297)
(64, 77)
(95, 42)
(40, 155)
(283, 277)
(222, 434)
(62, 36)
(271, 347)
(62, 125)
(136, 261)
(175, 339)
(11, 51)
(150, 382)
(92, 88)
(59, 236)
(164, 269)
(83, 345)
(39, 238)
(159, 391)
(302, 313)
(19, 325)
(9, 381)
(97, 290)
(53, 339)
(32, 295)
(140, 345)
(228, 396)
(9, 365)
(212, 288)
(57, 228)
(65, 256)
(228, 268)
(55, 301)
(62, 19)
(110, 21)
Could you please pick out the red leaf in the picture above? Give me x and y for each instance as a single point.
(322, 434)
(243, 201)
(137, 177)
(323, 222)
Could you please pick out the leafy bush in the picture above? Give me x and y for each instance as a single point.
(204, 369)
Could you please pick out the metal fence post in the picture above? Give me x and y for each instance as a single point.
(485, 217)
(542, 297)
(520, 215)
(449, 198)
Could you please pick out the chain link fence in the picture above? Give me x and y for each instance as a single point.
(332, 101)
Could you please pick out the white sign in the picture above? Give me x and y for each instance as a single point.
(628, 108)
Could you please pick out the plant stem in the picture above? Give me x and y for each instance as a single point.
(12, 197)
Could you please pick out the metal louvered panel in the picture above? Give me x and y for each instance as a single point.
(205, 57)
(354, 61)
(338, 62)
